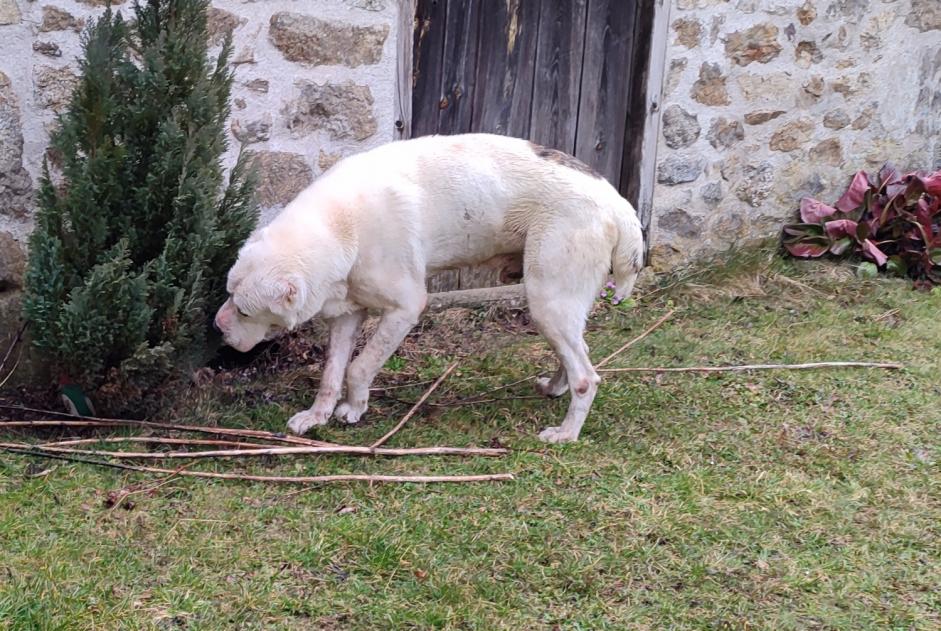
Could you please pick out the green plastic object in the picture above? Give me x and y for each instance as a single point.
(75, 400)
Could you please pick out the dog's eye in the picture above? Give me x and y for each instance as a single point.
(241, 313)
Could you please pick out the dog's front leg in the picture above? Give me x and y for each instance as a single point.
(392, 329)
(343, 332)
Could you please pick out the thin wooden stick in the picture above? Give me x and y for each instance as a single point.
(16, 340)
(157, 440)
(415, 407)
(318, 479)
(477, 398)
(269, 451)
(413, 384)
(744, 368)
(16, 364)
(92, 421)
(505, 386)
(650, 330)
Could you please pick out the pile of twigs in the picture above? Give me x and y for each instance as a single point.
(231, 443)
(244, 443)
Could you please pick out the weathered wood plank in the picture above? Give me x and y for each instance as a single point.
(476, 277)
(636, 101)
(445, 280)
(511, 296)
(427, 56)
(403, 67)
(605, 85)
(459, 68)
(506, 60)
(653, 95)
(558, 73)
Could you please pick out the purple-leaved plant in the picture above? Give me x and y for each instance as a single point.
(607, 295)
(893, 220)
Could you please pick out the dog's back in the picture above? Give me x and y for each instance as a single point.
(472, 197)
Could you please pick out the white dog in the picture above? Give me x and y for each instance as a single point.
(366, 234)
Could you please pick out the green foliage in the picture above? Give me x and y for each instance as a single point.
(769, 500)
(136, 226)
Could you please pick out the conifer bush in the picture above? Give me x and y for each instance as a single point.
(136, 227)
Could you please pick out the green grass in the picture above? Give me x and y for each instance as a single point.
(772, 500)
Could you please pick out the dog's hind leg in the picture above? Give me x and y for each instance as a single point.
(392, 329)
(564, 335)
(343, 332)
(561, 283)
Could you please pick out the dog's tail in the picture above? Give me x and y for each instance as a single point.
(627, 259)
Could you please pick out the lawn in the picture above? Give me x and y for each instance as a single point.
(764, 500)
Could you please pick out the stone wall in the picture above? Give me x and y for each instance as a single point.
(766, 101)
(314, 81)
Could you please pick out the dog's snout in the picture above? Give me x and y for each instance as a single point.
(215, 324)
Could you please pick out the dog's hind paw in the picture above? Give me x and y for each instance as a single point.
(547, 388)
(350, 412)
(303, 421)
(556, 435)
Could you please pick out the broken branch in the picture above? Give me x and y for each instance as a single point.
(317, 479)
(90, 421)
(269, 451)
(810, 366)
(157, 440)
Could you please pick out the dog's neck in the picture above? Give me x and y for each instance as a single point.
(328, 261)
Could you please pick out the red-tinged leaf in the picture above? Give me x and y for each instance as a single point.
(895, 188)
(872, 251)
(839, 228)
(932, 184)
(840, 247)
(924, 216)
(853, 197)
(914, 189)
(934, 205)
(888, 174)
(813, 211)
(808, 249)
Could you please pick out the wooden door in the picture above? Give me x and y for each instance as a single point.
(568, 74)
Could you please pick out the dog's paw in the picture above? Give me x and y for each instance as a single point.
(545, 387)
(303, 421)
(350, 412)
(556, 435)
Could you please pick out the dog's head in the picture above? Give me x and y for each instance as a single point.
(266, 296)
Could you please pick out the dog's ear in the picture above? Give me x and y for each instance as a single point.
(289, 296)
(289, 292)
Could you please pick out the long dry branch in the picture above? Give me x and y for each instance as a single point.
(91, 421)
(317, 479)
(747, 367)
(269, 451)
(157, 440)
